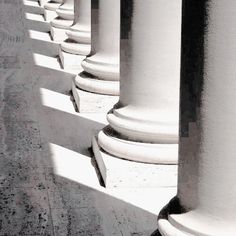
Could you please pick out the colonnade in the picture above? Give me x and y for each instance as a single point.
(132, 49)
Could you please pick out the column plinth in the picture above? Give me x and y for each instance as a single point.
(205, 203)
(101, 67)
(63, 22)
(66, 10)
(102, 77)
(50, 9)
(43, 2)
(143, 125)
(120, 146)
(78, 42)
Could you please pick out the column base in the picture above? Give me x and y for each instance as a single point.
(59, 27)
(43, 2)
(74, 47)
(92, 84)
(102, 66)
(195, 223)
(91, 102)
(52, 5)
(158, 153)
(79, 34)
(70, 61)
(118, 172)
(50, 10)
(57, 34)
(65, 14)
(61, 23)
(166, 229)
(49, 15)
(174, 219)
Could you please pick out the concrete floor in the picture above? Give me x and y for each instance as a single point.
(48, 183)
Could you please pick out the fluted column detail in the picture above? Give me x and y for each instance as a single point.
(143, 125)
(205, 203)
(79, 34)
(101, 67)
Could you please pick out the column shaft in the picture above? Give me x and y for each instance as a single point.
(205, 203)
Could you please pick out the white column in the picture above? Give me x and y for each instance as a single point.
(206, 199)
(97, 87)
(143, 125)
(64, 20)
(78, 42)
(79, 34)
(102, 65)
(42, 2)
(66, 10)
(50, 9)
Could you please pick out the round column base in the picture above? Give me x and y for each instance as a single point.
(76, 48)
(166, 229)
(92, 84)
(52, 6)
(120, 147)
(143, 124)
(193, 223)
(50, 10)
(100, 66)
(61, 23)
(79, 36)
(65, 14)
